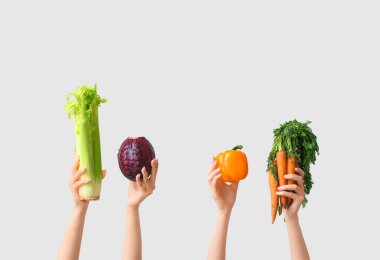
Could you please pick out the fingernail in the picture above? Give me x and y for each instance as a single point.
(278, 193)
(287, 176)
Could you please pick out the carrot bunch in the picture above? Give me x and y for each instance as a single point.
(294, 145)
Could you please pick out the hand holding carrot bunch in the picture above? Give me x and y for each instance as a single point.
(294, 192)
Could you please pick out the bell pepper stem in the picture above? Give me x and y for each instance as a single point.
(238, 147)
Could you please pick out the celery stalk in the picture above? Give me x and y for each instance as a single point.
(84, 107)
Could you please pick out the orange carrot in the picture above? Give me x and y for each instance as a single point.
(273, 196)
(281, 171)
(291, 170)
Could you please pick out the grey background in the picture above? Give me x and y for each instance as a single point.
(195, 78)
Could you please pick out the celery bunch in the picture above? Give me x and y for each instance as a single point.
(83, 106)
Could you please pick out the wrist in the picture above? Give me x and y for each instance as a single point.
(80, 210)
(225, 212)
(133, 207)
(292, 219)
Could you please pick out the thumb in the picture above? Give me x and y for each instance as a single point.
(235, 184)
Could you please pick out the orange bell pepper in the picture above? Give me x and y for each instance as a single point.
(233, 164)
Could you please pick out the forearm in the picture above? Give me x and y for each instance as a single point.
(70, 247)
(132, 245)
(298, 249)
(217, 249)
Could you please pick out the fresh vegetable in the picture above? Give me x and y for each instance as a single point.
(134, 154)
(291, 165)
(83, 105)
(281, 171)
(294, 145)
(233, 164)
(274, 197)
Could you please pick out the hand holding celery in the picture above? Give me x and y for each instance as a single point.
(70, 246)
(76, 182)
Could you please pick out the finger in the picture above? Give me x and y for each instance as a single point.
(80, 183)
(139, 182)
(213, 174)
(145, 176)
(235, 184)
(300, 171)
(75, 166)
(154, 164)
(301, 192)
(104, 173)
(295, 177)
(77, 175)
(288, 194)
(290, 187)
(214, 165)
(214, 182)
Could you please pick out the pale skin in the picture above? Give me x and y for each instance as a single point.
(296, 192)
(137, 192)
(224, 196)
(70, 246)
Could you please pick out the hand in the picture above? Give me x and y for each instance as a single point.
(143, 187)
(295, 192)
(224, 194)
(76, 182)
